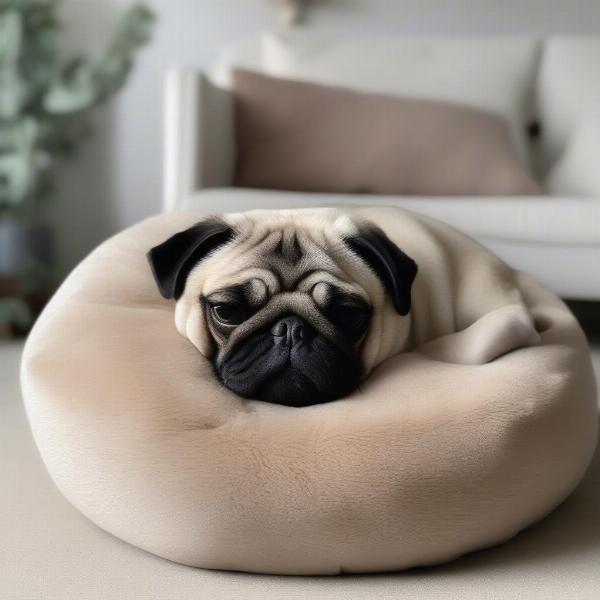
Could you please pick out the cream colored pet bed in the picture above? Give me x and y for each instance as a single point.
(431, 459)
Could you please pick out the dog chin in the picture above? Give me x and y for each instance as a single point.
(313, 372)
(291, 388)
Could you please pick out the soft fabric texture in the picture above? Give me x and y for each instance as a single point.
(495, 73)
(300, 136)
(567, 221)
(428, 460)
(46, 547)
(576, 170)
(568, 97)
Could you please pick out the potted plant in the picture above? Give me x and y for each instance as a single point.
(46, 107)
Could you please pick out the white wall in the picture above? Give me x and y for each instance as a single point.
(118, 178)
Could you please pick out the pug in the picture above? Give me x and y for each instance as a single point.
(297, 307)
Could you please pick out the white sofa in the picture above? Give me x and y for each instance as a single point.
(554, 84)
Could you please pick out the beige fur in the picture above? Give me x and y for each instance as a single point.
(482, 286)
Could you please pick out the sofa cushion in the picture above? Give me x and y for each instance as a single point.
(568, 84)
(568, 96)
(555, 239)
(526, 220)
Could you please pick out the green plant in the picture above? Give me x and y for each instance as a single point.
(46, 101)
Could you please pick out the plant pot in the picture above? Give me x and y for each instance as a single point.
(25, 248)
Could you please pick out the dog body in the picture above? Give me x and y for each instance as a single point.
(296, 307)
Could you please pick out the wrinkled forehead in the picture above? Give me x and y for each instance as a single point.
(286, 258)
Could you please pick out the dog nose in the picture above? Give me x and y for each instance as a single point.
(289, 330)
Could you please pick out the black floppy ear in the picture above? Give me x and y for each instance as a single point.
(396, 269)
(172, 261)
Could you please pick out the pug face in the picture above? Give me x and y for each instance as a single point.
(292, 307)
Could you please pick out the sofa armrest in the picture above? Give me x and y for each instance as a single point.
(199, 144)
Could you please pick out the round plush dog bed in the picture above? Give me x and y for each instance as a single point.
(426, 461)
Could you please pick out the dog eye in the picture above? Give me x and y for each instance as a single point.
(229, 314)
(352, 317)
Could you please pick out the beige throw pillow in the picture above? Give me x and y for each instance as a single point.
(295, 135)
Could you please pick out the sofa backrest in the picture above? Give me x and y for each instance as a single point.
(568, 107)
(551, 86)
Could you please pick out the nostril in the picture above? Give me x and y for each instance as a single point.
(289, 330)
(297, 332)
(279, 329)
